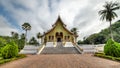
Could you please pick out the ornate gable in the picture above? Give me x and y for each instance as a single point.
(59, 21)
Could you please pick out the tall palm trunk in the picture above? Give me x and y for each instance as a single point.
(111, 35)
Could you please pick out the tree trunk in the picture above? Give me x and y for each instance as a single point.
(40, 40)
(111, 35)
(75, 40)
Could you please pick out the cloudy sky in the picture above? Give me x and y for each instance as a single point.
(41, 14)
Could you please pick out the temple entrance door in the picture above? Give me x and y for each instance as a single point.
(59, 36)
(59, 40)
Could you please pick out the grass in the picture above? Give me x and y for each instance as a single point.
(102, 55)
(2, 61)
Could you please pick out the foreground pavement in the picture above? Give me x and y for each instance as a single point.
(62, 61)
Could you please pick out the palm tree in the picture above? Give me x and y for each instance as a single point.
(12, 33)
(74, 31)
(33, 41)
(39, 35)
(15, 35)
(22, 36)
(26, 26)
(108, 13)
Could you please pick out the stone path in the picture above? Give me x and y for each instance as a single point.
(62, 61)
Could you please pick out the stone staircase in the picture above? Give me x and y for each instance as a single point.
(29, 49)
(92, 48)
(49, 44)
(59, 49)
(88, 49)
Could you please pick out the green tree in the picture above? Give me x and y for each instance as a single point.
(26, 26)
(96, 38)
(112, 48)
(21, 41)
(100, 39)
(15, 35)
(74, 31)
(92, 38)
(80, 42)
(22, 36)
(104, 35)
(3, 42)
(39, 35)
(10, 50)
(108, 13)
(12, 33)
(33, 41)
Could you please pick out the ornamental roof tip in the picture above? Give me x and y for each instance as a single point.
(58, 19)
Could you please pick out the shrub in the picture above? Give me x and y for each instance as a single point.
(21, 56)
(118, 59)
(21, 43)
(112, 48)
(2, 43)
(4, 61)
(10, 50)
(102, 55)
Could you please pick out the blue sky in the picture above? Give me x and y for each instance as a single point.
(41, 14)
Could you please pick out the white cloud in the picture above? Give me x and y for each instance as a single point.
(5, 28)
(41, 14)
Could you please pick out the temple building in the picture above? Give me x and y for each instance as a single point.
(58, 40)
(58, 33)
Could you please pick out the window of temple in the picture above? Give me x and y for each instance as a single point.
(52, 37)
(65, 38)
(49, 38)
(68, 37)
(45, 40)
(61, 33)
(57, 33)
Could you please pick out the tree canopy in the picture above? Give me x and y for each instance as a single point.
(108, 13)
(104, 35)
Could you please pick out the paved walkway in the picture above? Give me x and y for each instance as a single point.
(62, 61)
